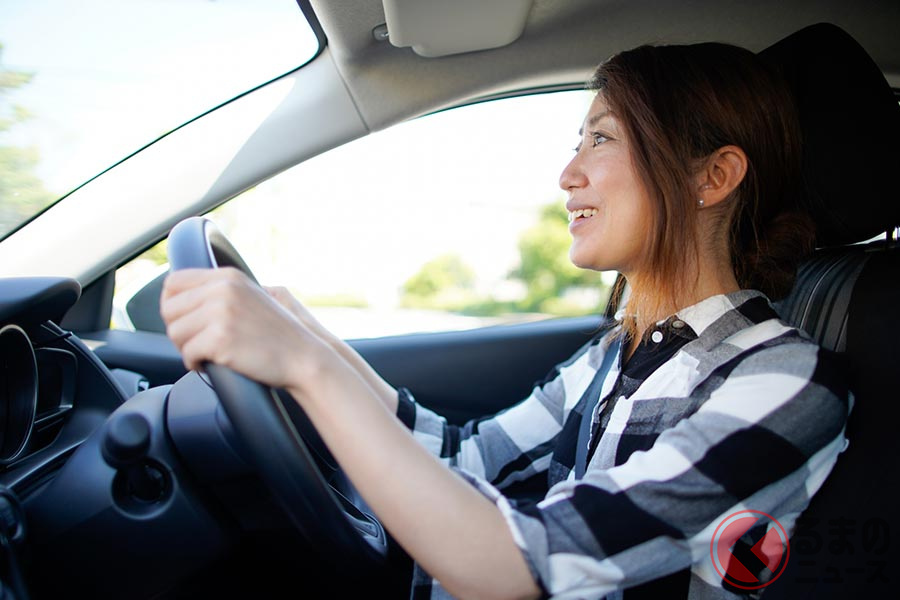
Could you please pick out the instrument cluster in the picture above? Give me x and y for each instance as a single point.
(36, 390)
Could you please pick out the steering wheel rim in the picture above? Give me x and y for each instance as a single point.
(338, 527)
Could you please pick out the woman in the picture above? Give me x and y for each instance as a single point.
(685, 181)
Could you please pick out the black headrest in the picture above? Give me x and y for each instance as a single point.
(850, 122)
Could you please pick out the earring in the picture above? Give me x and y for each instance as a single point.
(700, 202)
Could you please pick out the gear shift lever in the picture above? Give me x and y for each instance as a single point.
(124, 448)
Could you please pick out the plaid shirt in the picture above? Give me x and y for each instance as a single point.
(724, 408)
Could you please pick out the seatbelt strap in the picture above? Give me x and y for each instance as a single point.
(591, 397)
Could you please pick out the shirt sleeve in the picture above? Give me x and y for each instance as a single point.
(765, 439)
(512, 445)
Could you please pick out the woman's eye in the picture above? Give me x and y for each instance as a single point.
(598, 138)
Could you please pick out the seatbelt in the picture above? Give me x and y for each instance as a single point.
(592, 397)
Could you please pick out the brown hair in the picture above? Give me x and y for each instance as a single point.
(678, 105)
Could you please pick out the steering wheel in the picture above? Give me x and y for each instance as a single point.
(338, 526)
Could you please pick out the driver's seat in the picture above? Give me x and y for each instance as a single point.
(848, 298)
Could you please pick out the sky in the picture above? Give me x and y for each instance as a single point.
(112, 75)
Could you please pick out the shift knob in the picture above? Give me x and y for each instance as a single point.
(126, 441)
(124, 448)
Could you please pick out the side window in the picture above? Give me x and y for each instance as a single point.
(451, 221)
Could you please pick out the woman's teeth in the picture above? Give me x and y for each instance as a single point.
(584, 212)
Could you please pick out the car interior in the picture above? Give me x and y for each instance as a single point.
(132, 478)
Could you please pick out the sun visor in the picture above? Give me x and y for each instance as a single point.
(441, 27)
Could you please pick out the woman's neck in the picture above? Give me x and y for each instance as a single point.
(711, 281)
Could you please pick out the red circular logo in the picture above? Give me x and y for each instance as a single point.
(768, 555)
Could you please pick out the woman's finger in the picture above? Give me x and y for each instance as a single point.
(195, 288)
(220, 330)
(174, 307)
(206, 345)
(188, 324)
(178, 282)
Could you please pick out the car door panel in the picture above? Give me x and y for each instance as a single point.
(473, 373)
(461, 374)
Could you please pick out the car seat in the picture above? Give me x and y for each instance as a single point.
(847, 297)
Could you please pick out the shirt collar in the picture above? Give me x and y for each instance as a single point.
(701, 315)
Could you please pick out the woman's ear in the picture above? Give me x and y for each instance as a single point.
(720, 175)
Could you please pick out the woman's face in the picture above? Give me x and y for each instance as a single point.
(608, 205)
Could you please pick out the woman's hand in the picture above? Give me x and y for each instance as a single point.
(382, 389)
(220, 316)
(287, 300)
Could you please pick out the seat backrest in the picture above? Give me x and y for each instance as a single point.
(847, 297)
(849, 301)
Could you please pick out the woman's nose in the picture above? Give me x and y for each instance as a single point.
(572, 175)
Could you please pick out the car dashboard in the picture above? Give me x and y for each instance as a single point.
(53, 390)
(75, 498)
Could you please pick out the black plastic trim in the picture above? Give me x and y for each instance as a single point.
(28, 301)
(93, 310)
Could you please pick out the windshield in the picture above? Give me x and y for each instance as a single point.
(85, 84)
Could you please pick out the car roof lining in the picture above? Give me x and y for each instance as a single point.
(390, 84)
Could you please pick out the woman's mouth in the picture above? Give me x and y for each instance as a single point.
(582, 213)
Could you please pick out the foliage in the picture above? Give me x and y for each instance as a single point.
(22, 194)
(545, 267)
(447, 283)
(443, 282)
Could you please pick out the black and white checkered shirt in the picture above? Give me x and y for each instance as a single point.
(724, 408)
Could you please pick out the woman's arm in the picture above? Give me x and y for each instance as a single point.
(381, 388)
(766, 436)
(455, 533)
(449, 528)
(503, 449)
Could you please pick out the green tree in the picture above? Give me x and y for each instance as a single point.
(21, 192)
(447, 283)
(545, 268)
(444, 280)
